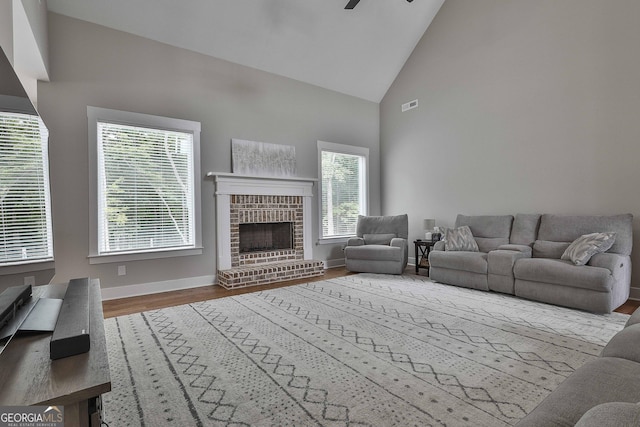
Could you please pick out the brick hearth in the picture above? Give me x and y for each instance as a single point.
(252, 275)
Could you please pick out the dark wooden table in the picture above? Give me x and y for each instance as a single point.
(423, 247)
(29, 377)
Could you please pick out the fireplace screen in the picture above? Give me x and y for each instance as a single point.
(269, 236)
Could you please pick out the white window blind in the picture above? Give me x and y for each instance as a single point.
(25, 208)
(145, 189)
(343, 191)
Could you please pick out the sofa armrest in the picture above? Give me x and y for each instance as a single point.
(525, 249)
(611, 414)
(620, 268)
(624, 345)
(610, 261)
(438, 246)
(355, 241)
(635, 318)
(398, 242)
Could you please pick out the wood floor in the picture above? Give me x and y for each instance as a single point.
(120, 307)
(628, 307)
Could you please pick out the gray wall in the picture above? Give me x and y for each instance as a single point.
(524, 106)
(93, 65)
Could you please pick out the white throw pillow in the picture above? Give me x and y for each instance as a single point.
(584, 247)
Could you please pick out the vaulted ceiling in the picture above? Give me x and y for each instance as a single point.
(358, 52)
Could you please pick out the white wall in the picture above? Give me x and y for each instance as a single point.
(93, 65)
(6, 29)
(29, 44)
(524, 106)
(37, 17)
(23, 37)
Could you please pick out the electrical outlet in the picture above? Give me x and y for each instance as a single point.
(30, 280)
(122, 270)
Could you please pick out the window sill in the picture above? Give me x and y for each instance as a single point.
(140, 256)
(26, 267)
(334, 240)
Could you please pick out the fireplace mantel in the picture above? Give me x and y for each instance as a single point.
(230, 184)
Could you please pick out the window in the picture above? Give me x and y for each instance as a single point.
(147, 186)
(25, 206)
(343, 188)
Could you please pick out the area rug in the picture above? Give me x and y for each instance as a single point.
(361, 350)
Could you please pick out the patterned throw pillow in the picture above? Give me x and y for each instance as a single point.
(459, 239)
(584, 247)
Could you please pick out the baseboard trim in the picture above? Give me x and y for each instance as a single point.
(634, 294)
(156, 287)
(333, 263)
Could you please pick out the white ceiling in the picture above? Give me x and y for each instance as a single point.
(358, 52)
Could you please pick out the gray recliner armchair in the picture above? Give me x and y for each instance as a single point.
(380, 245)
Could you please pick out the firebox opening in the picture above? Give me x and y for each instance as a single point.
(267, 236)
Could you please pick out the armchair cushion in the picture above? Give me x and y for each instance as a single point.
(397, 224)
(378, 238)
(374, 253)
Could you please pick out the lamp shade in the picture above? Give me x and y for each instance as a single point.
(429, 224)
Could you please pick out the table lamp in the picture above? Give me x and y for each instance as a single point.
(429, 225)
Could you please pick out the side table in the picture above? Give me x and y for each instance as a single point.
(423, 247)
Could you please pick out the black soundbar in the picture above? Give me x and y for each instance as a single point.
(10, 300)
(71, 335)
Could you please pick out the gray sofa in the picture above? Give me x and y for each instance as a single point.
(602, 393)
(521, 256)
(380, 245)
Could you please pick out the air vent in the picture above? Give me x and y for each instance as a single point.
(409, 105)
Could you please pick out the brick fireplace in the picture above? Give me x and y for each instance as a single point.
(264, 230)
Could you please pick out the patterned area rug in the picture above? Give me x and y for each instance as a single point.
(362, 350)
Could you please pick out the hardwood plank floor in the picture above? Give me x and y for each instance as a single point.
(628, 307)
(120, 307)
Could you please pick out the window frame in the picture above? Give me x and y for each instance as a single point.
(95, 115)
(17, 105)
(353, 150)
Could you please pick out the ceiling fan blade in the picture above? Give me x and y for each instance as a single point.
(351, 4)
